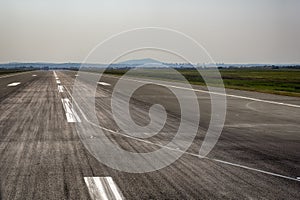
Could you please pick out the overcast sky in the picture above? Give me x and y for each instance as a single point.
(232, 31)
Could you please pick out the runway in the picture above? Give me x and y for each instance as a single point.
(42, 156)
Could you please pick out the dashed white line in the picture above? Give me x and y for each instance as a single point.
(13, 84)
(58, 81)
(103, 188)
(70, 112)
(33, 74)
(103, 83)
(55, 75)
(60, 88)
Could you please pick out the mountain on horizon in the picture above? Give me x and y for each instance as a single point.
(139, 61)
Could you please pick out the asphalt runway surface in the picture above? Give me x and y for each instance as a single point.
(42, 156)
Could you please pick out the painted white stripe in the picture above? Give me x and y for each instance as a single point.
(185, 152)
(217, 93)
(57, 78)
(58, 81)
(60, 88)
(54, 74)
(13, 84)
(114, 188)
(103, 188)
(33, 74)
(204, 91)
(96, 189)
(103, 83)
(76, 75)
(70, 112)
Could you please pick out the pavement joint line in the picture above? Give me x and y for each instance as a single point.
(13, 84)
(185, 152)
(103, 188)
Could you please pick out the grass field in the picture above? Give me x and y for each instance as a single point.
(275, 81)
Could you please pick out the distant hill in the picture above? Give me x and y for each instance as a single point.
(145, 63)
(139, 61)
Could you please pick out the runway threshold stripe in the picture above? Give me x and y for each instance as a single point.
(103, 83)
(13, 84)
(103, 188)
(70, 112)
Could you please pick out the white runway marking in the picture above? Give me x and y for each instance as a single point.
(13, 84)
(33, 74)
(57, 78)
(103, 83)
(103, 188)
(60, 88)
(76, 75)
(70, 112)
(216, 93)
(185, 152)
(205, 91)
(58, 81)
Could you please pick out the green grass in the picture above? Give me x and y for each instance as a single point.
(275, 81)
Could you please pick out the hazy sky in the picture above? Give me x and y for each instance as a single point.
(232, 31)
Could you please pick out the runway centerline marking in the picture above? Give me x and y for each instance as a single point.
(103, 188)
(13, 84)
(60, 88)
(103, 83)
(70, 112)
(185, 152)
(33, 74)
(58, 82)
